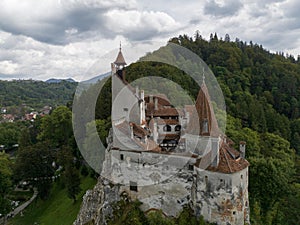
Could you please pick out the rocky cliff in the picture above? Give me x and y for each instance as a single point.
(96, 206)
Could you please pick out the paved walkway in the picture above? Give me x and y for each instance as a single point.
(20, 208)
(24, 205)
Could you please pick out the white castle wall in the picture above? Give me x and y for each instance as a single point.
(221, 198)
(167, 182)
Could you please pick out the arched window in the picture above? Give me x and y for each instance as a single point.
(177, 128)
(167, 128)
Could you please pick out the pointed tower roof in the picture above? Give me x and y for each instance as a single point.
(207, 119)
(120, 61)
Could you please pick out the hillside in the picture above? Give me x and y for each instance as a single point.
(35, 94)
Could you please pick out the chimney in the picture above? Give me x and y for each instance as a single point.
(243, 149)
(123, 74)
(113, 69)
(215, 156)
(131, 130)
(150, 98)
(155, 103)
(142, 95)
(155, 133)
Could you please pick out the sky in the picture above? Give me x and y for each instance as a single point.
(66, 38)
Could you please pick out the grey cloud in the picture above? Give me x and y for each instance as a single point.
(53, 30)
(82, 15)
(291, 9)
(228, 9)
(83, 22)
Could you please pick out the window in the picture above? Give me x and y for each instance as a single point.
(233, 212)
(122, 157)
(205, 126)
(206, 179)
(242, 176)
(167, 128)
(133, 186)
(125, 109)
(177, 128)
(191, 167)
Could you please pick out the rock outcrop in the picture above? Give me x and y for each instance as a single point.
(97, 204)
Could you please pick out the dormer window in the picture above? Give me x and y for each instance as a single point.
(205, 126)
(167, 128)
(177, 128)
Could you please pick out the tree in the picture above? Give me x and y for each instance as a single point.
(5, 182)
(72, 181)
(57, 127)
(227, 38)
(34, 164)
(24, 139)
(70, 174)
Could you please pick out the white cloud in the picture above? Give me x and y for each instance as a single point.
(8, 67)
(140, 25)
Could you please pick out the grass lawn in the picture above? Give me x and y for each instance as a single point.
(58, 209)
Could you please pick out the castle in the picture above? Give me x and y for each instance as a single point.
(169, 157)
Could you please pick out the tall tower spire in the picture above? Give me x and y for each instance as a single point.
(207, 120)
(120, 61)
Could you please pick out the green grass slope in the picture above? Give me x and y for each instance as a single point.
(58, 209)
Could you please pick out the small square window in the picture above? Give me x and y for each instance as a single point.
(206, 179)
(125, 109)
(133, 186)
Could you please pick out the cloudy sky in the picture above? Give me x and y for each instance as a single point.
(65, 38)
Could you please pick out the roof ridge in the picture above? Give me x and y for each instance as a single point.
(223, 149)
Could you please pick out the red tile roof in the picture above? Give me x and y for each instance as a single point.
(167, 121)
(229, 161)
(162, 100)
(139, 131)
(162, 112)
(120, 59)
(206, 112)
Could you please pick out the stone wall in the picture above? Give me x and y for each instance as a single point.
(221, 198)
(165, 182)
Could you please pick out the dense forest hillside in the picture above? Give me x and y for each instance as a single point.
(262, 95)
(35, 94)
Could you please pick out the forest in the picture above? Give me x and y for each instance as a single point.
(34, 94)
(262, 95)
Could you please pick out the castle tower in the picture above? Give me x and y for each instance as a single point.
(127, 104)
(119, 64)
(120, 61)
